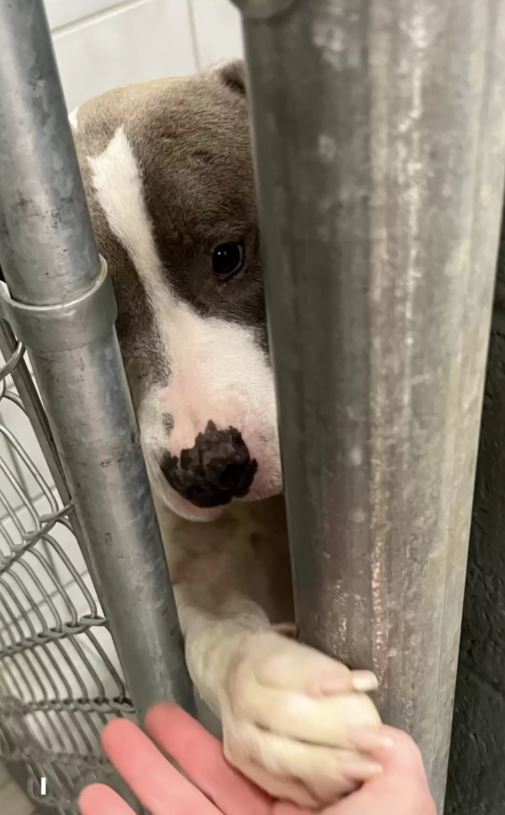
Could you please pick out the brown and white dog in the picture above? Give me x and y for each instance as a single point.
(168, 173)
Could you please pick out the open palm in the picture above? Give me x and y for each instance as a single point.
(217, 789)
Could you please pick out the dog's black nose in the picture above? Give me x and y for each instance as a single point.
(217, 469)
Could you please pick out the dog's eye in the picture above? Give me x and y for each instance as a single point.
(227, 260)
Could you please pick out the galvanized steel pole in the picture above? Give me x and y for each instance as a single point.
(63, 309)
(380, 145)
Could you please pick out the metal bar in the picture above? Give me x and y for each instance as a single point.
(380, 143)
(35, 126)
(50, 259)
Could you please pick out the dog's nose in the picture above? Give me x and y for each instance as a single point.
(217, 469)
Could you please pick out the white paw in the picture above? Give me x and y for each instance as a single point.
(293, 721)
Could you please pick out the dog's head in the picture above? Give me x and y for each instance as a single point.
(168, 171)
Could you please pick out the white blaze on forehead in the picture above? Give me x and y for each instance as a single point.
(119, 189)
(218, 370)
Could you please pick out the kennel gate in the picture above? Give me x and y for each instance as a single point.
(59, 678)
(58, 661)
(379, 136)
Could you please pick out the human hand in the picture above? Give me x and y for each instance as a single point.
(401, 789)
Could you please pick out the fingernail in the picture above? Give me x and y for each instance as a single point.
(364, 681)
(361, 770)
(370, 738)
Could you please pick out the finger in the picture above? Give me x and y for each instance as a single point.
(373, 740)
(396, 751)
(385, 795)
(327, 773)
(406, 753)
(201, 756)
(404, 779)
(99, 799)
(155, 782)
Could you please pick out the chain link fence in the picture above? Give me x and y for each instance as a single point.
(60, 678)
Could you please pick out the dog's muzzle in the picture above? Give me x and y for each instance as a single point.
(213, 472)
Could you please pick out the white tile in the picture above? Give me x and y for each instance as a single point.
(15, 432)
(218, 31)
(64, 12)
(146, 40)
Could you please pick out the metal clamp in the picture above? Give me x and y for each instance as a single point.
(63, 326)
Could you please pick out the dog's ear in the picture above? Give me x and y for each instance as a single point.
(232, 74)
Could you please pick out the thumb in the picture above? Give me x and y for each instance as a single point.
(402, 789)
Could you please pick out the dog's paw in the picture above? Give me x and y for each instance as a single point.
(297, 722)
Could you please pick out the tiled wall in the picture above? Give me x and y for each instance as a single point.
(104, 43)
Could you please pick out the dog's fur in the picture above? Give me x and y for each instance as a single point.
(168, 173)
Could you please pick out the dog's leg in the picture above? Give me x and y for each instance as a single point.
(290, 715)
(288, 712)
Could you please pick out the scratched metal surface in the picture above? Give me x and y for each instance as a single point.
(380, 144)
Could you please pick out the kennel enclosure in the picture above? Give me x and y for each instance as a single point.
(60, 680)
(379, 134)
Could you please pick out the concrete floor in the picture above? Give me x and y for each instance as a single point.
(12, 800)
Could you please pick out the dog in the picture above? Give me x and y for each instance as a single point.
(168, 173)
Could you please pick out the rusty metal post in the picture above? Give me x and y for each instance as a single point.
(379, 134)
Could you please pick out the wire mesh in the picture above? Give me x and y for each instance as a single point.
(60, 678)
